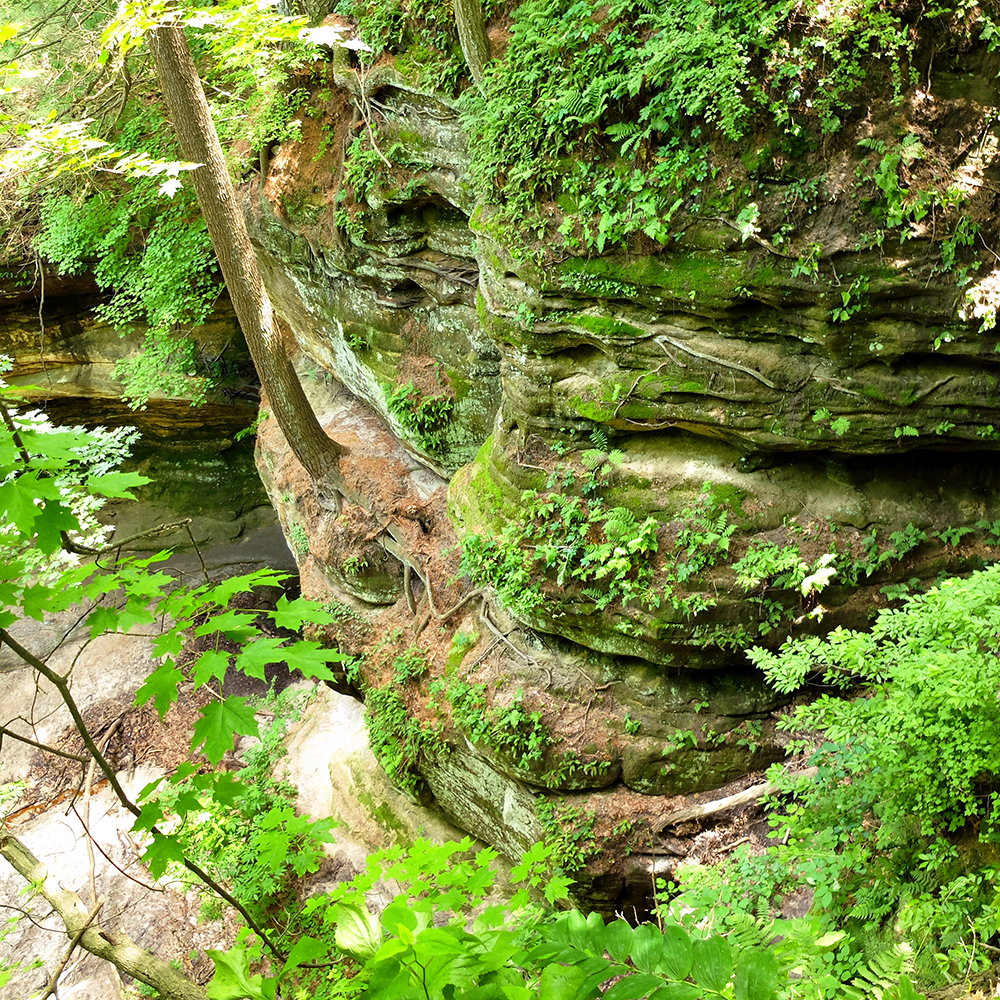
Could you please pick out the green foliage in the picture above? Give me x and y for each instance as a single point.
(904, 770)
(256, 844)
(424, 418)
(600, 107)
(420, 33)
(556, 537)
(927, 731)
(156, 261)
(411, 664)
(396, 739)
(511, 729)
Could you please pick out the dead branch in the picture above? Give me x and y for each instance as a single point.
(112, 946)
(728, 802)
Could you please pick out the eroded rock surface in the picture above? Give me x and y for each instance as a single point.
(656, 455)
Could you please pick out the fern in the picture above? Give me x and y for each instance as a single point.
(881, 978)
(599, 439)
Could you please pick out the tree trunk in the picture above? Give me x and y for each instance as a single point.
(472, 36)
(181, 86)
(113, 946)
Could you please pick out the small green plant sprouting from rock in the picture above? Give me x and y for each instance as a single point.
(396, 739)
(569, 832)
(839, 425)
(632, 726)
(355, 565)
(851, 300)
(252, 429)
(424, 418)
(512, 729)
(299, 539)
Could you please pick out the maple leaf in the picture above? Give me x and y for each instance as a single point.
(235, 625)
(53, 518)
(291, 614)
(102, 619)
(220, 722)
(312, 659)
(161, 852)
(168, 643)
(254, 658)
(211, 665)
(162, 685)
(134, 613)
(117, 484)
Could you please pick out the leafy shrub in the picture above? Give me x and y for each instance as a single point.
(907, 769)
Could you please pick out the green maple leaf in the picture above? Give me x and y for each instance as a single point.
(152, 812)
(235, 625)
(162, 685)
(211, 665)
(50, 448)
(220, 722)
(225, 788)
(291, 614)
(134, 613)
(169, 643)
(37, 599)
(17, 501)
(53, 518)
(164, 849)
(255, 656)
(222, 592)
(102, 619)
(312, 659)
(116, 484)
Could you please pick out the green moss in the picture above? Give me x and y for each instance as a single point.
(604, 326)
(384, 816)
(592, 410)
(872, 393)
(726, 494)
(461, 643)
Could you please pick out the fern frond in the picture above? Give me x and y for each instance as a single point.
(879, 978)
(599, 438)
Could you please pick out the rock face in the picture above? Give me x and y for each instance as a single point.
(64, 354)
(656, 455)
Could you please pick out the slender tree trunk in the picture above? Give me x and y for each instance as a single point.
(181, 86)
(472, 36)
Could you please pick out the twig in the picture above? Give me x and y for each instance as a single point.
(4, 731)
(735, 844)
(197, 548)
(83, 550)
(54, 978)
(111, 861)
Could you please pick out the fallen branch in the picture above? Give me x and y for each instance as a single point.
(721, 805)
(50, 990)
(112, 946)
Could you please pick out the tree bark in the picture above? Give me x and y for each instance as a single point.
(113, 946)
(472, 36)
(181, 86)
